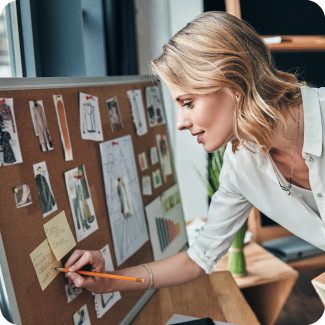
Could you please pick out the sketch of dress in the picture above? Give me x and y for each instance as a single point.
(45, 195)
(8, 153)
(1, 140)
(5, 110)
(77, 198)
(41, 125)
(89, 123)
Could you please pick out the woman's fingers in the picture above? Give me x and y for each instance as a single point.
(80, 258)
(76, 279)
(74, 257)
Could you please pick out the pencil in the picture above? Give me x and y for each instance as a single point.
(102, 275)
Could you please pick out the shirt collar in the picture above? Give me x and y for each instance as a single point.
(313, 137)
(312, 132)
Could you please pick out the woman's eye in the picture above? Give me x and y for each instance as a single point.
(188, 104)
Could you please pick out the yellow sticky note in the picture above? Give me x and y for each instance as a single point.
(59, 234)
(44, 261)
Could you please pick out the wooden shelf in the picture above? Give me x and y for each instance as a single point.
(299, 44)
(267, 284)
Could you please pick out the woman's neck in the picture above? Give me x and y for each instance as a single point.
(285, 145)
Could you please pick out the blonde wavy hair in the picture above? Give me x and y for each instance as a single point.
(218, 50)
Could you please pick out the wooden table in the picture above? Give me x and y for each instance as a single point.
(216, 296)
(268, 283)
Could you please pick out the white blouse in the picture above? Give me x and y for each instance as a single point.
(248, 179)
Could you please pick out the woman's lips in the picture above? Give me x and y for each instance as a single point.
(200, 137)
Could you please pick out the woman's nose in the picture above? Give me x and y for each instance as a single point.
(183, 122)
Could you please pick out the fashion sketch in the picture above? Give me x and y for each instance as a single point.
(114, 114)
(164, 156)
(81, 317)
(72, 293)
(123, 197)
(137, 108)
(40, 125)
(104, 302)
(123, 194)
(81, 204)
(23, 196)
(63, 126)
(44, 189)
(154, 106)
(9, 144)
(90, 122)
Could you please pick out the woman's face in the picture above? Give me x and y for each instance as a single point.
(208, 117)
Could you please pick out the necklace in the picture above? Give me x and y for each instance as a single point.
(287, 189)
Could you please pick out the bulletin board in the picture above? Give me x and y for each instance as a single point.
(22, 229)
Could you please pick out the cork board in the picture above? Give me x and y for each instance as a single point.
(22, 229)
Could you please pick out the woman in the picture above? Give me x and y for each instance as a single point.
(220, 74)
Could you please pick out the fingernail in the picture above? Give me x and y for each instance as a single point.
(72, 268)
(71, 275)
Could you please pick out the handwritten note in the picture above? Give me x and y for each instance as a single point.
(59, 234)
(44, 261)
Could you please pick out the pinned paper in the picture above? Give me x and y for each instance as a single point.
(59, 235)
(137, 108)
(44, 263)
(146, 185)
(143, 161)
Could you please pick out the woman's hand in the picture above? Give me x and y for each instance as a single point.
(80, 258)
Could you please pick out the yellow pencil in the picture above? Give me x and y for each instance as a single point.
(102, 275)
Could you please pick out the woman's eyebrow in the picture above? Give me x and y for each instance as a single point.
(180, 96)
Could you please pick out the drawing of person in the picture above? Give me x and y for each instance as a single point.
(114, 116)
(124, 198)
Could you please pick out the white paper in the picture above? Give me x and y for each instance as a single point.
(137, 108)
(166, 223)
(64, 129)
(23, 196)
(9, 134)
(81, 204)
(40, 125)
(146, 185)
(143, 161)
(114, 114)
(154, 155)
(81, 317)
(164, 156)
(156, 178)
(72, 293)
(103, 302)
(155, 108)
(45, 193)
(90, 122)
(129, 231)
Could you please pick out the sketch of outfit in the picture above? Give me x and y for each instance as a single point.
(126, 208)
(77, 197)
(5, 110)
(1, 140)
(89, 123)
(45, 195)
(41, 125)
(8, 153)
(84, 186)
(64, 129)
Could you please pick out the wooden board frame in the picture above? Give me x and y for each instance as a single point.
(22, 229)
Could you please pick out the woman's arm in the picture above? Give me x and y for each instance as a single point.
(174, 270)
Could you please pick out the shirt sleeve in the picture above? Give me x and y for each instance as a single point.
(227, 213)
